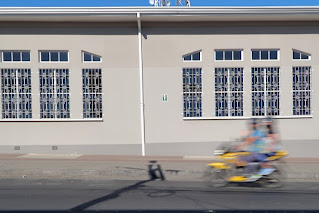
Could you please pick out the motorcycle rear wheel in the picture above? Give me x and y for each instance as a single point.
(216, 178)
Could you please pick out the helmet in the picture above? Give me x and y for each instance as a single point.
(268, 120)
(254, 121)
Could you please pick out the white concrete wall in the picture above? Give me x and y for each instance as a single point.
(163, 49)
(118, 46)
(167, 132)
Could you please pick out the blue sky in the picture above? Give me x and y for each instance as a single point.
(122, 3)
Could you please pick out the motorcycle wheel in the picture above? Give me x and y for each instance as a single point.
(216, 177)
(274, 180)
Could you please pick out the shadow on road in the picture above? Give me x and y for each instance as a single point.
(111, 196)
(155, 173)
(170, 211)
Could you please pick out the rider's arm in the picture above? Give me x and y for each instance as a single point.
(247, 142)
(274, 142)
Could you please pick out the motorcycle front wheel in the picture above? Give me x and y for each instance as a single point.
(274, 180)
(216, 177)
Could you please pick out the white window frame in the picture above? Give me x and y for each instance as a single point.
(17, 93)
(191, 54)
(276, 49)
(310, 90)
(200, 93)
(232, 50)
(20, 51)
(49, 51)
(55, 94)
(82, 54)
(228, 92)
(300, 52)
(245, 118)
(265, 91)
(96, 93)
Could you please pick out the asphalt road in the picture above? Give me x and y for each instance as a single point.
(26, 195)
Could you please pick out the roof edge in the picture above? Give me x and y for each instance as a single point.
(166, 14)
(159, 10)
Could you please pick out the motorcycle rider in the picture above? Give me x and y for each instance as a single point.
(256, 144)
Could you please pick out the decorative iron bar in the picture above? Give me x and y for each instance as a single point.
(192, 92)
(54, 93)
(229, 91)
(301, 90)
(265, 91)
(16, 93)
(92, 93)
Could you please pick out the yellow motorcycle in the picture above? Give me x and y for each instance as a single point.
(227, 171)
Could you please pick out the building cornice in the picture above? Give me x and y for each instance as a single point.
(162, 14)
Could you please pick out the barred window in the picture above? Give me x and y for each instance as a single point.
(301, 90)
(265, 89)
(192, 92)
(92, 93)
(54, 93)
(229, 91)
(16, 93)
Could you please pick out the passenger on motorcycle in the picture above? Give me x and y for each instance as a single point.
(272, 146)
(272, 138)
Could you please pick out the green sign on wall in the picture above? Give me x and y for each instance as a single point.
(164, 98)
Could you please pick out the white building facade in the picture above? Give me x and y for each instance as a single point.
(156, 81)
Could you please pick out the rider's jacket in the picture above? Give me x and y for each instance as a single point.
(259, 144)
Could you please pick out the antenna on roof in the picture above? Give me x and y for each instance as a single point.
(167, 3)
(187, 3)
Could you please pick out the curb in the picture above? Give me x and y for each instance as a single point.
(80, 157)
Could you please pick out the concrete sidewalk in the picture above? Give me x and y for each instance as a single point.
(49, 166)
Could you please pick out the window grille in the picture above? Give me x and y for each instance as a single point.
(192, 92)
(54, 93)
(265, 89)
(92, 93)
(229, 91)
(16, 93)
(301, 90)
